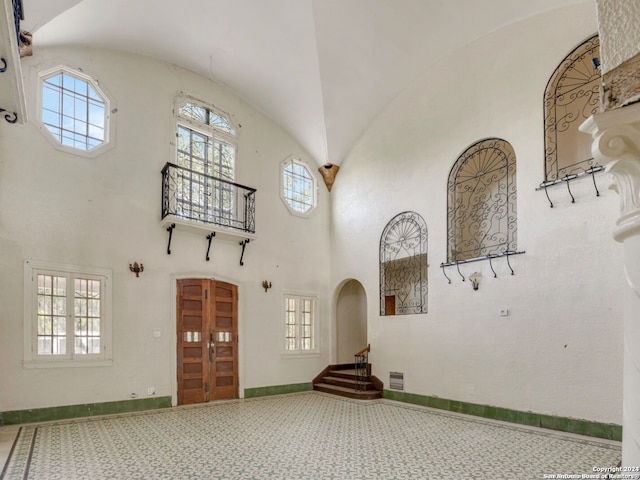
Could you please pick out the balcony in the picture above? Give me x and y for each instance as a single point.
(193, 200)
(12, 99)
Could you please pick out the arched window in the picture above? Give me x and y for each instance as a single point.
(403, 265)
(572, 95)
(481, 203)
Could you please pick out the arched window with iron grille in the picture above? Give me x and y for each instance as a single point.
(481, 203)
(572, 95)
(403, 265)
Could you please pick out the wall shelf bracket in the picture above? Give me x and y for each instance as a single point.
(458, 267)
(9, 117)
(593, 171)
(209, 237)
(495, 275)
(567, 179)
(243, 244)
(444, 272)
(170, 230)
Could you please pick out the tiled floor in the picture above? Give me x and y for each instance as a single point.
(301, 436)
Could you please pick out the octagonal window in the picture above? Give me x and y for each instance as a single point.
(74, 111)
(298, 187)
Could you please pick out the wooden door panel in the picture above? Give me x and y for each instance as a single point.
(224, 331)
(207, 314)
(192, 355)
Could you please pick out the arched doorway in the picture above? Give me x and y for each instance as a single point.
(351, 320)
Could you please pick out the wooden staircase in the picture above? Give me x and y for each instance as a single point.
(341, 380)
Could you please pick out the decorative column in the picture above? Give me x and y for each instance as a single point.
(616, 143)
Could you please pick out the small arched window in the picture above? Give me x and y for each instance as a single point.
(481, 204)
(572, 95)
(403, 265)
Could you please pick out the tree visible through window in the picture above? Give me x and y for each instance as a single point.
(68, 318)
(298, 187)
(299, 312)
(206, 149)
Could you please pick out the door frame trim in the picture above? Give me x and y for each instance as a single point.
(174, 277)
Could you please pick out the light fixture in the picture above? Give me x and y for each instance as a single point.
(328, 172)
(266, 285)
(135, 268)
(474, 278)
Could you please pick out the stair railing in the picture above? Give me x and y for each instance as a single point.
(361, 366)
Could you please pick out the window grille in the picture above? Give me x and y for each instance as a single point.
(403, 266)
(298, 187)
(481, 204)
(299, 321)
(74, 111)
(572, 95)
(67, 315)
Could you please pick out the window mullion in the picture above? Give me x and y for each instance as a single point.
(71, 316)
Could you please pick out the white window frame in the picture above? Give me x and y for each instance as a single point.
(298, 352)
(109, 108)
(32, 268)
(213, 135)
(286, 200)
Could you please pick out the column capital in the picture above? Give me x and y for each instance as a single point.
(616, 144)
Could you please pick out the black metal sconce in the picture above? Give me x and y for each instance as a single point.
(266, 285)
(135, 268)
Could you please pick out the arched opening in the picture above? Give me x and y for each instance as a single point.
(351, 320)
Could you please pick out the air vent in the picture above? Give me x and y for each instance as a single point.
(396, 380)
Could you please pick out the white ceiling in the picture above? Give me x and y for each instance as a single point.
(322, 69)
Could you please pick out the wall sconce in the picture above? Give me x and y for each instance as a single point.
(474, 278)
(266, 285)
(135, 268)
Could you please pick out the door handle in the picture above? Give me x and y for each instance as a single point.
(212, 348)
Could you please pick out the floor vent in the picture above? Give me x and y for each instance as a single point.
(396, 380)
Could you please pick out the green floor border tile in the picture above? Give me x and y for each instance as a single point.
(84, 410)
(277, 390)
(609, 431)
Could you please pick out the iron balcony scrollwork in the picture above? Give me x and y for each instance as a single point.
(211, 201)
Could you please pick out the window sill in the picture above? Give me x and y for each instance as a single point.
(66, 363)
(294, 355)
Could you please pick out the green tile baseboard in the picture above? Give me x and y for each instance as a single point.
(608, 431)
(85, 410)
(277, 390)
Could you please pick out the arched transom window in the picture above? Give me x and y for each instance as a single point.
(481, 205)
(403, 265)
(572, 95)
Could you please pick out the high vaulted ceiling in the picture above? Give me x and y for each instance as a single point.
(322, 69)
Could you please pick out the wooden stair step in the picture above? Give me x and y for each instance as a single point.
(348, 392)
(346, 382)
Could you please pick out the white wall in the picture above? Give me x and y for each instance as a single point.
(351, 321)
(559, 349)
(105, 212)
(621, 20)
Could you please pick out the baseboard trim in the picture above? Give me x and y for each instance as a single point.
(608, 431)
(34, 415)
(277, 390)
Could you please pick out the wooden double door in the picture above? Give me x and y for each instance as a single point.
(207, 333)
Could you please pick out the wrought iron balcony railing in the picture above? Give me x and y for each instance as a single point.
(196, 196)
